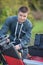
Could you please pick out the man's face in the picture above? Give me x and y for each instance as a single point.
(22, 16)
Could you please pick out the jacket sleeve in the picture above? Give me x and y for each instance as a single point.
(5, 27)
(26, 39)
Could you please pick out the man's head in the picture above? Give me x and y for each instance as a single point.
(22, 14)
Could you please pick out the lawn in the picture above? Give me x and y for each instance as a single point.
(37, 28)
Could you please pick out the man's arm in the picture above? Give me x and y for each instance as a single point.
(26, 39)
(5, 27)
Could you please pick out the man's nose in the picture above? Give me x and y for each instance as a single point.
(22, 17)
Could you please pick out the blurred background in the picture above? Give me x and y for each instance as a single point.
(10, 8)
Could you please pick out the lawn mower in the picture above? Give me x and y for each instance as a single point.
(10, 56)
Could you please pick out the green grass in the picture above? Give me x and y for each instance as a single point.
(0, 64)
(37, 28)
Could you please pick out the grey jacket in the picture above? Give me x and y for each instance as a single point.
(18, 31)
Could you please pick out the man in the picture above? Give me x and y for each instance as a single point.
(20, 29)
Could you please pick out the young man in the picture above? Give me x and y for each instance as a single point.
(20, 29)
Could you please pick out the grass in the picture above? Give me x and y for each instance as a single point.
(0, 64)
(37, 28)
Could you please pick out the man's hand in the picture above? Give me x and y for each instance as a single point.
(8, 40)
(17, 47)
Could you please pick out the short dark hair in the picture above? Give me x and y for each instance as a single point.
(23, 9)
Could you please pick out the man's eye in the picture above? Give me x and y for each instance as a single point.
(20, 15)
(24, 16)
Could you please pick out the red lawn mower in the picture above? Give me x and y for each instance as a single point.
(9, 55)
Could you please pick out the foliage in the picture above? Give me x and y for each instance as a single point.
(10, 7)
